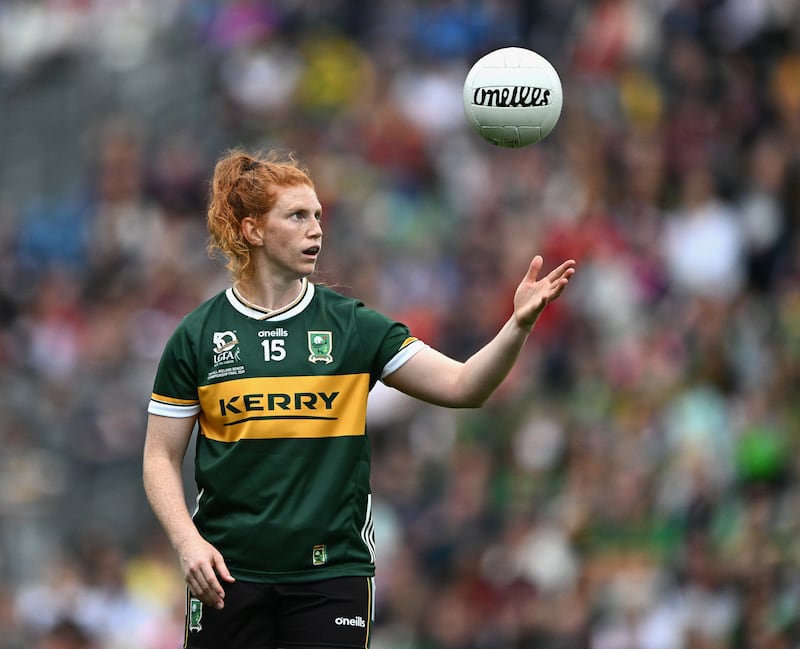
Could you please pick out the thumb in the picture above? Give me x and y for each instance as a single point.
(535, 266)
(222, 569)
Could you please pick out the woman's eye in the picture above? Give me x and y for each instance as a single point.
(304, 216)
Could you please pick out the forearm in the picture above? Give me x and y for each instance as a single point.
(435, 378)
(484, 371)
(163, 485)
(202, 565)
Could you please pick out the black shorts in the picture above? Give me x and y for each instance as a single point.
(312, 615)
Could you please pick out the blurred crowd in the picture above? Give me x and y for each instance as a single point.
(631, 486)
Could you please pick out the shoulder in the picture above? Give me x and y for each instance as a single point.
(330, 300)
(327, 295)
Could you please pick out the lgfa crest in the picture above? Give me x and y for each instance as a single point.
(320, 344)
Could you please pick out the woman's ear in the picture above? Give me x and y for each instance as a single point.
(252, 231)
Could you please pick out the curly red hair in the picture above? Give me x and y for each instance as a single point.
(246, 184)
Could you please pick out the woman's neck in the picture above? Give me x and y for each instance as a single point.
(268, 296)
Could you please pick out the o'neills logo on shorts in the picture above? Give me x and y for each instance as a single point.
(511, 96)
(350, 621)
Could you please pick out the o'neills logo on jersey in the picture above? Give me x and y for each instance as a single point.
(511, 96)
(351, 621)
(280, 332)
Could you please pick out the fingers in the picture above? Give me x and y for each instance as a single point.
(533, 294)
(563, 273)
(555, 281)
(565, 270)
(222, 570)
(205, 586)
(202, 579)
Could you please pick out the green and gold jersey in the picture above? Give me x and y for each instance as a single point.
(282, 459)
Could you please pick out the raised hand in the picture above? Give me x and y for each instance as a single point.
(533, 294)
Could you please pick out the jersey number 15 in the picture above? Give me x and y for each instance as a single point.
(273, 349)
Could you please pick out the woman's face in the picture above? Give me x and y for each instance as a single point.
(290, 234)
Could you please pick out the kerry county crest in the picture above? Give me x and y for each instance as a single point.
(195, 614)
(320, 344)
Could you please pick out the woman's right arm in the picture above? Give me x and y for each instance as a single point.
(164, 449)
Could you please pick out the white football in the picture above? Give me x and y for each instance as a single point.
(513, 97)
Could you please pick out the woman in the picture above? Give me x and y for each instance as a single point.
(276, 371)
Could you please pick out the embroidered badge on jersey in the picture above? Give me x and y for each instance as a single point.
(224, 341)
(320, 344)
(226, 355)
(195, 614)
(319, 555)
